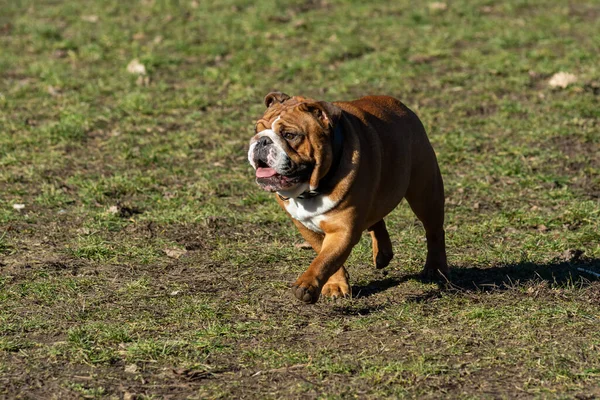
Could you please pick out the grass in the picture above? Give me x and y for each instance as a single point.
(146, 263)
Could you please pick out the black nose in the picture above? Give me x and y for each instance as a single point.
(264, 141)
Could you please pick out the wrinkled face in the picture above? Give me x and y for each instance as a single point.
(289, 142)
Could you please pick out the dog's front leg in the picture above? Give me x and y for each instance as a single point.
(335, 250)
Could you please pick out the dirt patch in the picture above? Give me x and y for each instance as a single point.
(581, 162)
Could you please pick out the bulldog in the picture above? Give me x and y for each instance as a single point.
(337, 169)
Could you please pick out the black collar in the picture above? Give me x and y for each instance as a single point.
(338, 145)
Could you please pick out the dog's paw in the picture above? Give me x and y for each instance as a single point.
(430, 273)
(306, 292)
(383, 259)
(336, 290)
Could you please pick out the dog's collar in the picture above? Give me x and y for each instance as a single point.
(338, 145)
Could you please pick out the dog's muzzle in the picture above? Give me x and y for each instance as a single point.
(275, 170)
(264, 146)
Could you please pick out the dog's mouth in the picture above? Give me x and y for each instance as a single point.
(271, 180)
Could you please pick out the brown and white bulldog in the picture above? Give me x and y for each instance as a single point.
(338, 169)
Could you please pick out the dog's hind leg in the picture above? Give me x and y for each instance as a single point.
(425, 195)
(382, 245)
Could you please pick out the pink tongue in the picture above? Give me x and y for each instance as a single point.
(265, 172)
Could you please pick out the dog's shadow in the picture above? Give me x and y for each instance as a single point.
(503, 277)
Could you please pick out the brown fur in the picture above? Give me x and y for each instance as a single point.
(386, 157)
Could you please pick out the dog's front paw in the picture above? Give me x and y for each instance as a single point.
(306, 291)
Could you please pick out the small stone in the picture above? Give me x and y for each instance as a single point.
(562, 80)
(174, 252)
(131, 368)
(438, 6)
(113, 210)
(135, 67)
(90, 18)
(18, 207)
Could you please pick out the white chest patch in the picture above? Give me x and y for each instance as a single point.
(310, 212)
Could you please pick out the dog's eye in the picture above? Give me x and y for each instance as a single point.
(289, 135)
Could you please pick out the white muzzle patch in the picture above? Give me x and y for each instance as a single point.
(277, 157)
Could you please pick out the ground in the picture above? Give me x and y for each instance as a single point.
(138, 258)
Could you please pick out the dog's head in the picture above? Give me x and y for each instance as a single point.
(292, 149)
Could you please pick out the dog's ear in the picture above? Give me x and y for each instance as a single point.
(329, 114)
(275, 97)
